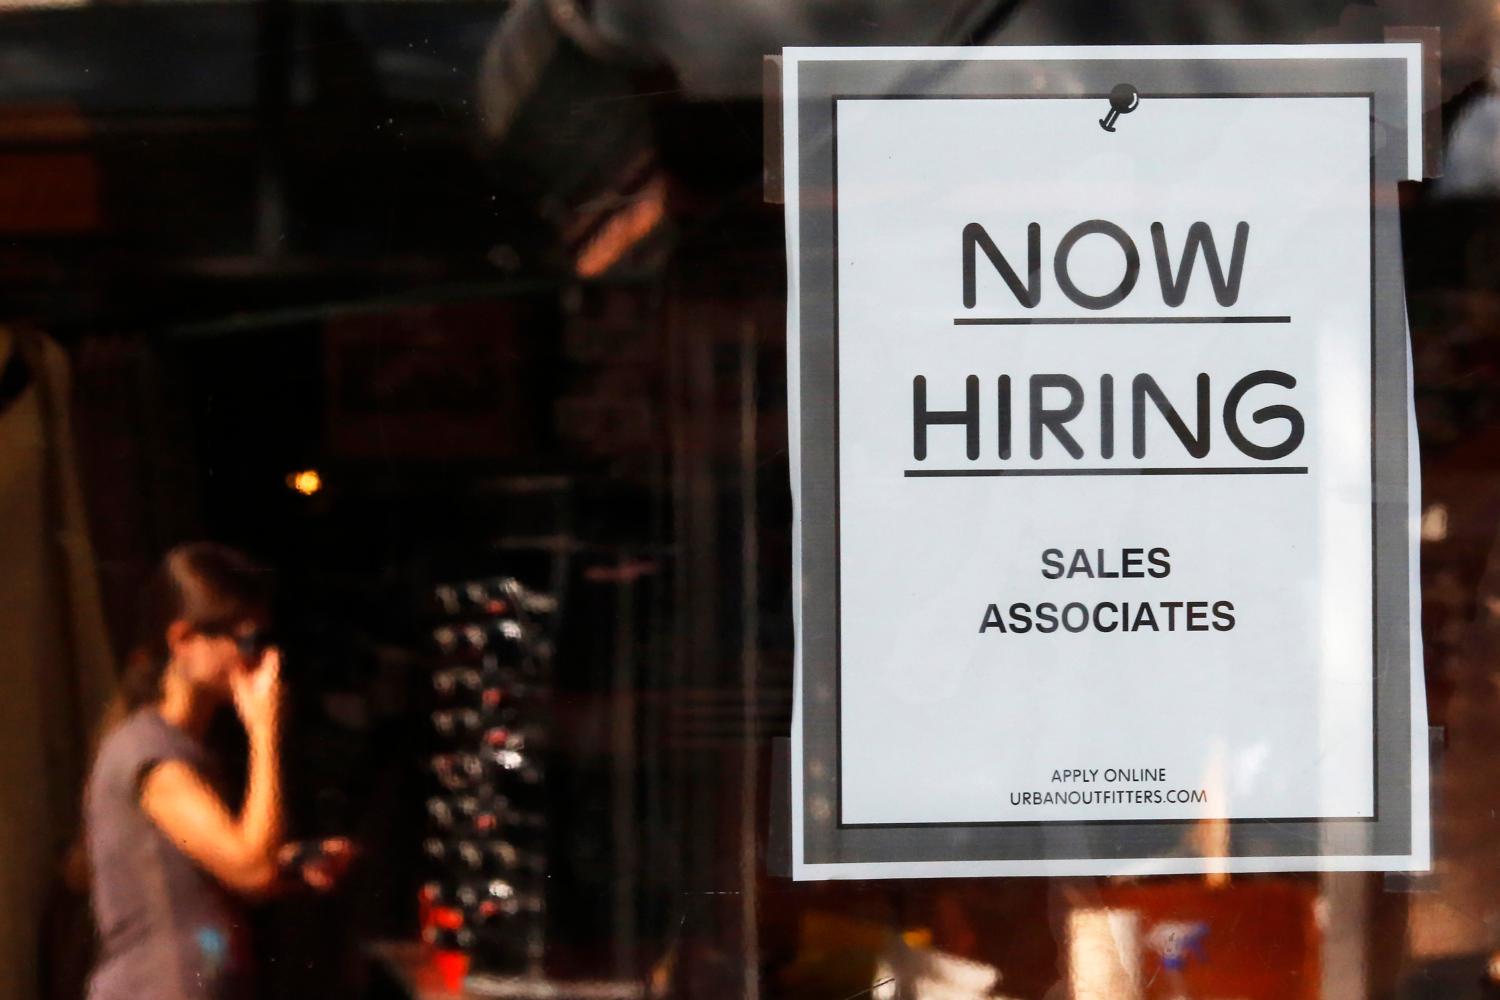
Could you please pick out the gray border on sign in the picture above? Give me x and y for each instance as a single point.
(825, 841)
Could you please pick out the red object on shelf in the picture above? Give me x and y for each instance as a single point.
(449, 918)
(451, 967)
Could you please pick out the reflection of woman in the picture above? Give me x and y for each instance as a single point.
(171, 862)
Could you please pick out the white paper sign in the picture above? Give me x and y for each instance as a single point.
(1102, 461)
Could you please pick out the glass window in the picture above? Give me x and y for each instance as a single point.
(399, 437)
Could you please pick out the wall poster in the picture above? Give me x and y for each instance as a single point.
(1103, 461)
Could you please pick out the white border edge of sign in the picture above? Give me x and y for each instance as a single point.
(1421, 767)
(1132, 867)
(792, 191)
(1411, 52)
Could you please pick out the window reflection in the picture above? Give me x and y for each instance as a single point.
(407, 296)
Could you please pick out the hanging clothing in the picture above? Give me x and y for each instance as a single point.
(56, 665)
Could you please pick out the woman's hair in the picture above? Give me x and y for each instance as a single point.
(202, 583)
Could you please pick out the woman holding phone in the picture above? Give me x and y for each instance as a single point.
(172, 863)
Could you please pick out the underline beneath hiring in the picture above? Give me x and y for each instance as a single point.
(1227, 470)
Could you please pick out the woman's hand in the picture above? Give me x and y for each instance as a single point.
(257, 693)
(324, 864)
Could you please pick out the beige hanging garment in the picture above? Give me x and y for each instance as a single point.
(56, 669)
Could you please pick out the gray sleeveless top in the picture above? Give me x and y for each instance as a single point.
(167, 929)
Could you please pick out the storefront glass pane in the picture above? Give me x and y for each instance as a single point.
(479, 328)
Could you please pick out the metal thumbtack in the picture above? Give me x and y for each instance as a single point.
(1122, 100)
